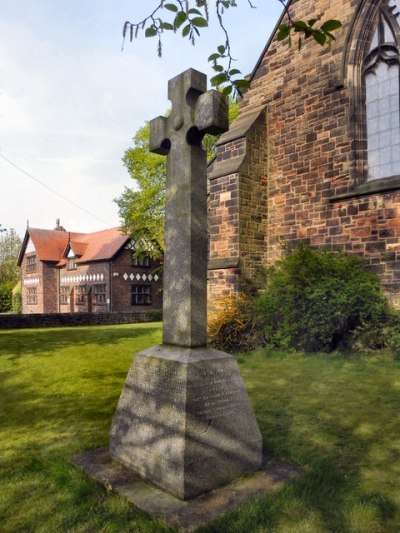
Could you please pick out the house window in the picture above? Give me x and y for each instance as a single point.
(31, 296)
(141, 261)
(381, 82)
(64, 293)
(31, 264)
(141, 295)
(80, 292)
(71, 264)
(99, 293)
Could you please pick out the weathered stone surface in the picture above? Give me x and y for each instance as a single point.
(184, 421)
(194, 113)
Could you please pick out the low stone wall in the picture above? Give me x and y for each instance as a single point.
(75, 319)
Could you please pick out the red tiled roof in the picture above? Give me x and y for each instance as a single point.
(51, 245)
(101, 245)
(78, 247)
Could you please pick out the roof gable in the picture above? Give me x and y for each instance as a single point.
(102, 245)
(54, 245)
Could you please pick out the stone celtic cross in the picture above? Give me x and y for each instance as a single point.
(184, 421)
(195, 112)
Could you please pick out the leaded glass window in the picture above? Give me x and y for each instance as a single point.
(381, 76)
(141, 295)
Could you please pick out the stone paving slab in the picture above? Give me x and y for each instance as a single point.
(185, 516)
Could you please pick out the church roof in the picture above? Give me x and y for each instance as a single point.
(52, 245)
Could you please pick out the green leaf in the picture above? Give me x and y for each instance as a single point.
(167, 26)
(331, 25)
(227, 90)
(219, 79)
(283, 32)
(194, 12)
(300, 25)
(180, 19)
(150, 32)
(241, 84)
(218, 68)
(171, 7)
(186, 30)
(319, 37)
(213, 57)
(200, 22)
(330, 36)
(221, 49)
(312, 22)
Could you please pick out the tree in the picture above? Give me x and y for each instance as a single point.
(10, 245)
(189, 17)
(141, 208)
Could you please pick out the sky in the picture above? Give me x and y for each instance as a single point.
(71, 100)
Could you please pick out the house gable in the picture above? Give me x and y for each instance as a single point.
(77, 272)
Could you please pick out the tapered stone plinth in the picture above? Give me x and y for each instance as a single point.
(184, 421)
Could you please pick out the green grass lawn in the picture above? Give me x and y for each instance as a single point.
(337, 417)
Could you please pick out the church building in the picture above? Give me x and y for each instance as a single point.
(314, 156)
(65, 272)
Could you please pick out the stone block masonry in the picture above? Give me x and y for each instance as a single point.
(295, 172)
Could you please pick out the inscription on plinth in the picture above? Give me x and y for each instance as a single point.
(184, 420)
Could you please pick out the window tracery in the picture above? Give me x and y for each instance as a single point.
(381, 80)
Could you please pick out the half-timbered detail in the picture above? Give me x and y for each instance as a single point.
(66, 272)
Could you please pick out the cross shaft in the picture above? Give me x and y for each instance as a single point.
(179, 136)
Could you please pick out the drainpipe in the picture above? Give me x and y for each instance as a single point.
(109, 285)
(58, 290)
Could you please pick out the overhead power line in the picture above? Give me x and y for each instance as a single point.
(53, 190)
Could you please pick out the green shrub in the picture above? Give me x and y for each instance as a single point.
(317, 299)
(6, 297)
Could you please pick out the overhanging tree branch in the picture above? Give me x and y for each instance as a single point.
(189, 17)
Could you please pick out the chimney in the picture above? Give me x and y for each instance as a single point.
(58, 227)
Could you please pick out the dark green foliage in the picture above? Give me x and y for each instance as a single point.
(17, 301)
(317, 299)
(6, 297)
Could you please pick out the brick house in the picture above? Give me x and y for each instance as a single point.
(314, 155)
(63, 272)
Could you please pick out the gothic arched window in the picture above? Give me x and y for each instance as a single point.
(381, 81)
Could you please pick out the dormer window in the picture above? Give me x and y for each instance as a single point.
(71, 260)
(71, 264)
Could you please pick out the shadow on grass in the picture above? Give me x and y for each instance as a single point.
(340, 421)
(320, 501)
(17, 343)
(337, 419)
